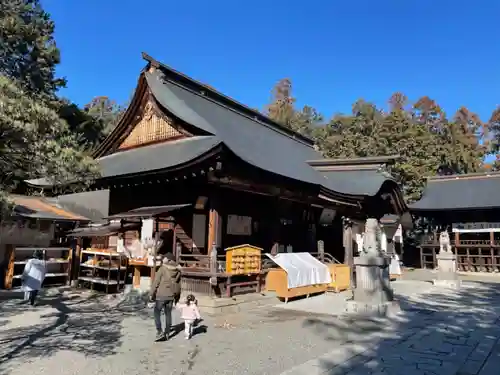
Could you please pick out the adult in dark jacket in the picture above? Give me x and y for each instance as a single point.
(165, 290)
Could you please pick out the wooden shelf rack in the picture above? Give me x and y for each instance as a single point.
(102, 269)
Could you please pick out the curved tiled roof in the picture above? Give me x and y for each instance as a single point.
(460, 192)
(250, 135)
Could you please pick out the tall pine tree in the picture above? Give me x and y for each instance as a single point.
(282, 110)
(28, 51)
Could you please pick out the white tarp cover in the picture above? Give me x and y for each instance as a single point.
(302, 269)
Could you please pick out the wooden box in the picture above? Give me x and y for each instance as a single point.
(243, 260)
(276, 281)
(341, 277)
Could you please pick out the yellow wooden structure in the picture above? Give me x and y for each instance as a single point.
(276, 281)
(341, 277)
(243, 260)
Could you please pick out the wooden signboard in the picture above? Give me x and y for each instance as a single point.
(243, 260)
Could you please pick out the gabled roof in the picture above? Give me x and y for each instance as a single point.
(263, 146)
(220, 120)
(460, 192)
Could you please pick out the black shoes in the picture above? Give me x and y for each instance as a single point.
(160, 336)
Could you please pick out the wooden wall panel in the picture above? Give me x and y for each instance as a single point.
(151, 128)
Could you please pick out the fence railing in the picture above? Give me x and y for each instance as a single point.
(472, 255)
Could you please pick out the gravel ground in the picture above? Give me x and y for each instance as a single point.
(83, 336)
(75, 337)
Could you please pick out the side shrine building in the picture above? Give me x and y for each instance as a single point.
(226, 175)
(467, 208)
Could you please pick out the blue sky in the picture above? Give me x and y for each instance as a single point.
(334, 51)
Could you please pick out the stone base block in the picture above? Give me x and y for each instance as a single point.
(384, 309)
(452, 284)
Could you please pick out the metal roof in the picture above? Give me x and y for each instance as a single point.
(258, 144)
(255, 143)
(41, 208)
(356, 182)
(145, 212)
(102, 230)
(147, 159)
(460, 192)
(156, 157)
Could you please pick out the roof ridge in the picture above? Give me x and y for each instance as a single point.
(467, 176)
(232, 103)
(367, 160)
(272, 128)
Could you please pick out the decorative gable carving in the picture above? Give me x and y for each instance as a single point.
(151, 128)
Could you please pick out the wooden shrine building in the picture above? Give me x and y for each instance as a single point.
(468, 207)
(231, 175)
(36, 223)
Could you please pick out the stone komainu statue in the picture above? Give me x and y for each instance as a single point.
(444, 243)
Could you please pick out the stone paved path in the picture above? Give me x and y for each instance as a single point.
(441, 333)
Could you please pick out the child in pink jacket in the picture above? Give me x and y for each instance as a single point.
(189, 313)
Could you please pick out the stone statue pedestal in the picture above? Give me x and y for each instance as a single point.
(447, 275)
(373, 295)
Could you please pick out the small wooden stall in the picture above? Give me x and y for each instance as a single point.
(37, 224)
(152, 222)
(98, 263)
(467, 208)
(101, 267)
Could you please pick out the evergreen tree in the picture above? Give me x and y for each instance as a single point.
(282, 107)
(36, 143)
(105, 112)
(282, 110)
(494, 128)
(421, 135)
(28, 52)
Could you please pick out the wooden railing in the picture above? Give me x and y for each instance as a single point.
(202, 279)
(472, 255)
(199, 261)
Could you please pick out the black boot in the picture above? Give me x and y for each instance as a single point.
(160, 336)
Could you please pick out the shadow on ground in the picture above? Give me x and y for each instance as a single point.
(439, 333)
(61, 323)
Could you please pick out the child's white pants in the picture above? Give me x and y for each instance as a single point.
(188, 327)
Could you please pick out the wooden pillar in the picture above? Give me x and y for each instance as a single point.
(348, 249)
(74, 260)
(214, 221)
(176, 247)
(157, 239)
(214, 236)
(9, 274)
(454, 250)
(214, 226)
(492, 252)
